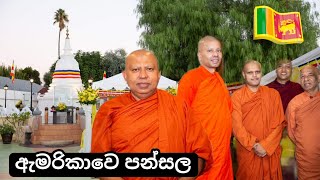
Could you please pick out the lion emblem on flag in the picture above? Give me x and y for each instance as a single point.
(287, 26)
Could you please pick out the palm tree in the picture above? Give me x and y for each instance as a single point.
(60, 17)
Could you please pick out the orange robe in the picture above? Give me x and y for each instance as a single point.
(258, 117)
(303, 116)
(160, 121)
(211, 104)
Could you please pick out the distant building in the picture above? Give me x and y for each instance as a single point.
(19, 90)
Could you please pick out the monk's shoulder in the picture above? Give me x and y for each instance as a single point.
(192, 72)
(169, 97)
(237, 93)
(270, 91)
(297, 98)
(190, 75)
(296, 102)
(178, 101)
(115, 103)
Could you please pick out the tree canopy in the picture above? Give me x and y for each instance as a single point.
(60, 17)
(174, 30)
(114, 61)
(25, 73)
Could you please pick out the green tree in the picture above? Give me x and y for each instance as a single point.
(240, 26)
(5, 70)
(30, 73)
(174, 31)
(114, 61)
(61, 18)
(89, 64)
(47, 77)
(19, 74)
(24, 74)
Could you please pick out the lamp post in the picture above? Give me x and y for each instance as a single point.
(5, 95)
(31, 82)
(90, 82)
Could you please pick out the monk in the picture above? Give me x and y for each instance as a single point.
(257, 121)
(303, 124)
(148, 118)
(287, 90)
(282, 83)
(205, 91)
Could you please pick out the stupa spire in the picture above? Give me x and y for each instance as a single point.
(67, 33)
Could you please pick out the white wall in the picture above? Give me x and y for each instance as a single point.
(14, 96)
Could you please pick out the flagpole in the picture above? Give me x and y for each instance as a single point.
(12, 74)
(14, 95)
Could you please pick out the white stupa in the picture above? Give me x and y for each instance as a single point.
(66, 81)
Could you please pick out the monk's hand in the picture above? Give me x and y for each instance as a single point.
(259, 150)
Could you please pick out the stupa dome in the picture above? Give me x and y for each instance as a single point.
(67, 66)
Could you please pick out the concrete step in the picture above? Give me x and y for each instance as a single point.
(57, 132)
(53, 132)
(59, 143)
(59, 126)
(38, 139)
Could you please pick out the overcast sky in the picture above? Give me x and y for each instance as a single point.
(28, 36)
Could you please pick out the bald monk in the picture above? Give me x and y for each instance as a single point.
(205, 91)
(257, 121)
(303, 116)
(147, 118)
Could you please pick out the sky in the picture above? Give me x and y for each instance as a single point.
(28, 36)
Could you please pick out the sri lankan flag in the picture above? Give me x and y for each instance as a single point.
(280, 28)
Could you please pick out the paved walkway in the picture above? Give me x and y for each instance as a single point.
(7, 149)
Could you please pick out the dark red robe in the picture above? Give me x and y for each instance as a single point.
(287, 91)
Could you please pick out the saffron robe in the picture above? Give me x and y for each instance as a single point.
(258, 117)
(303, 116)
(211, 104)
(287, 91)
(161, 121)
